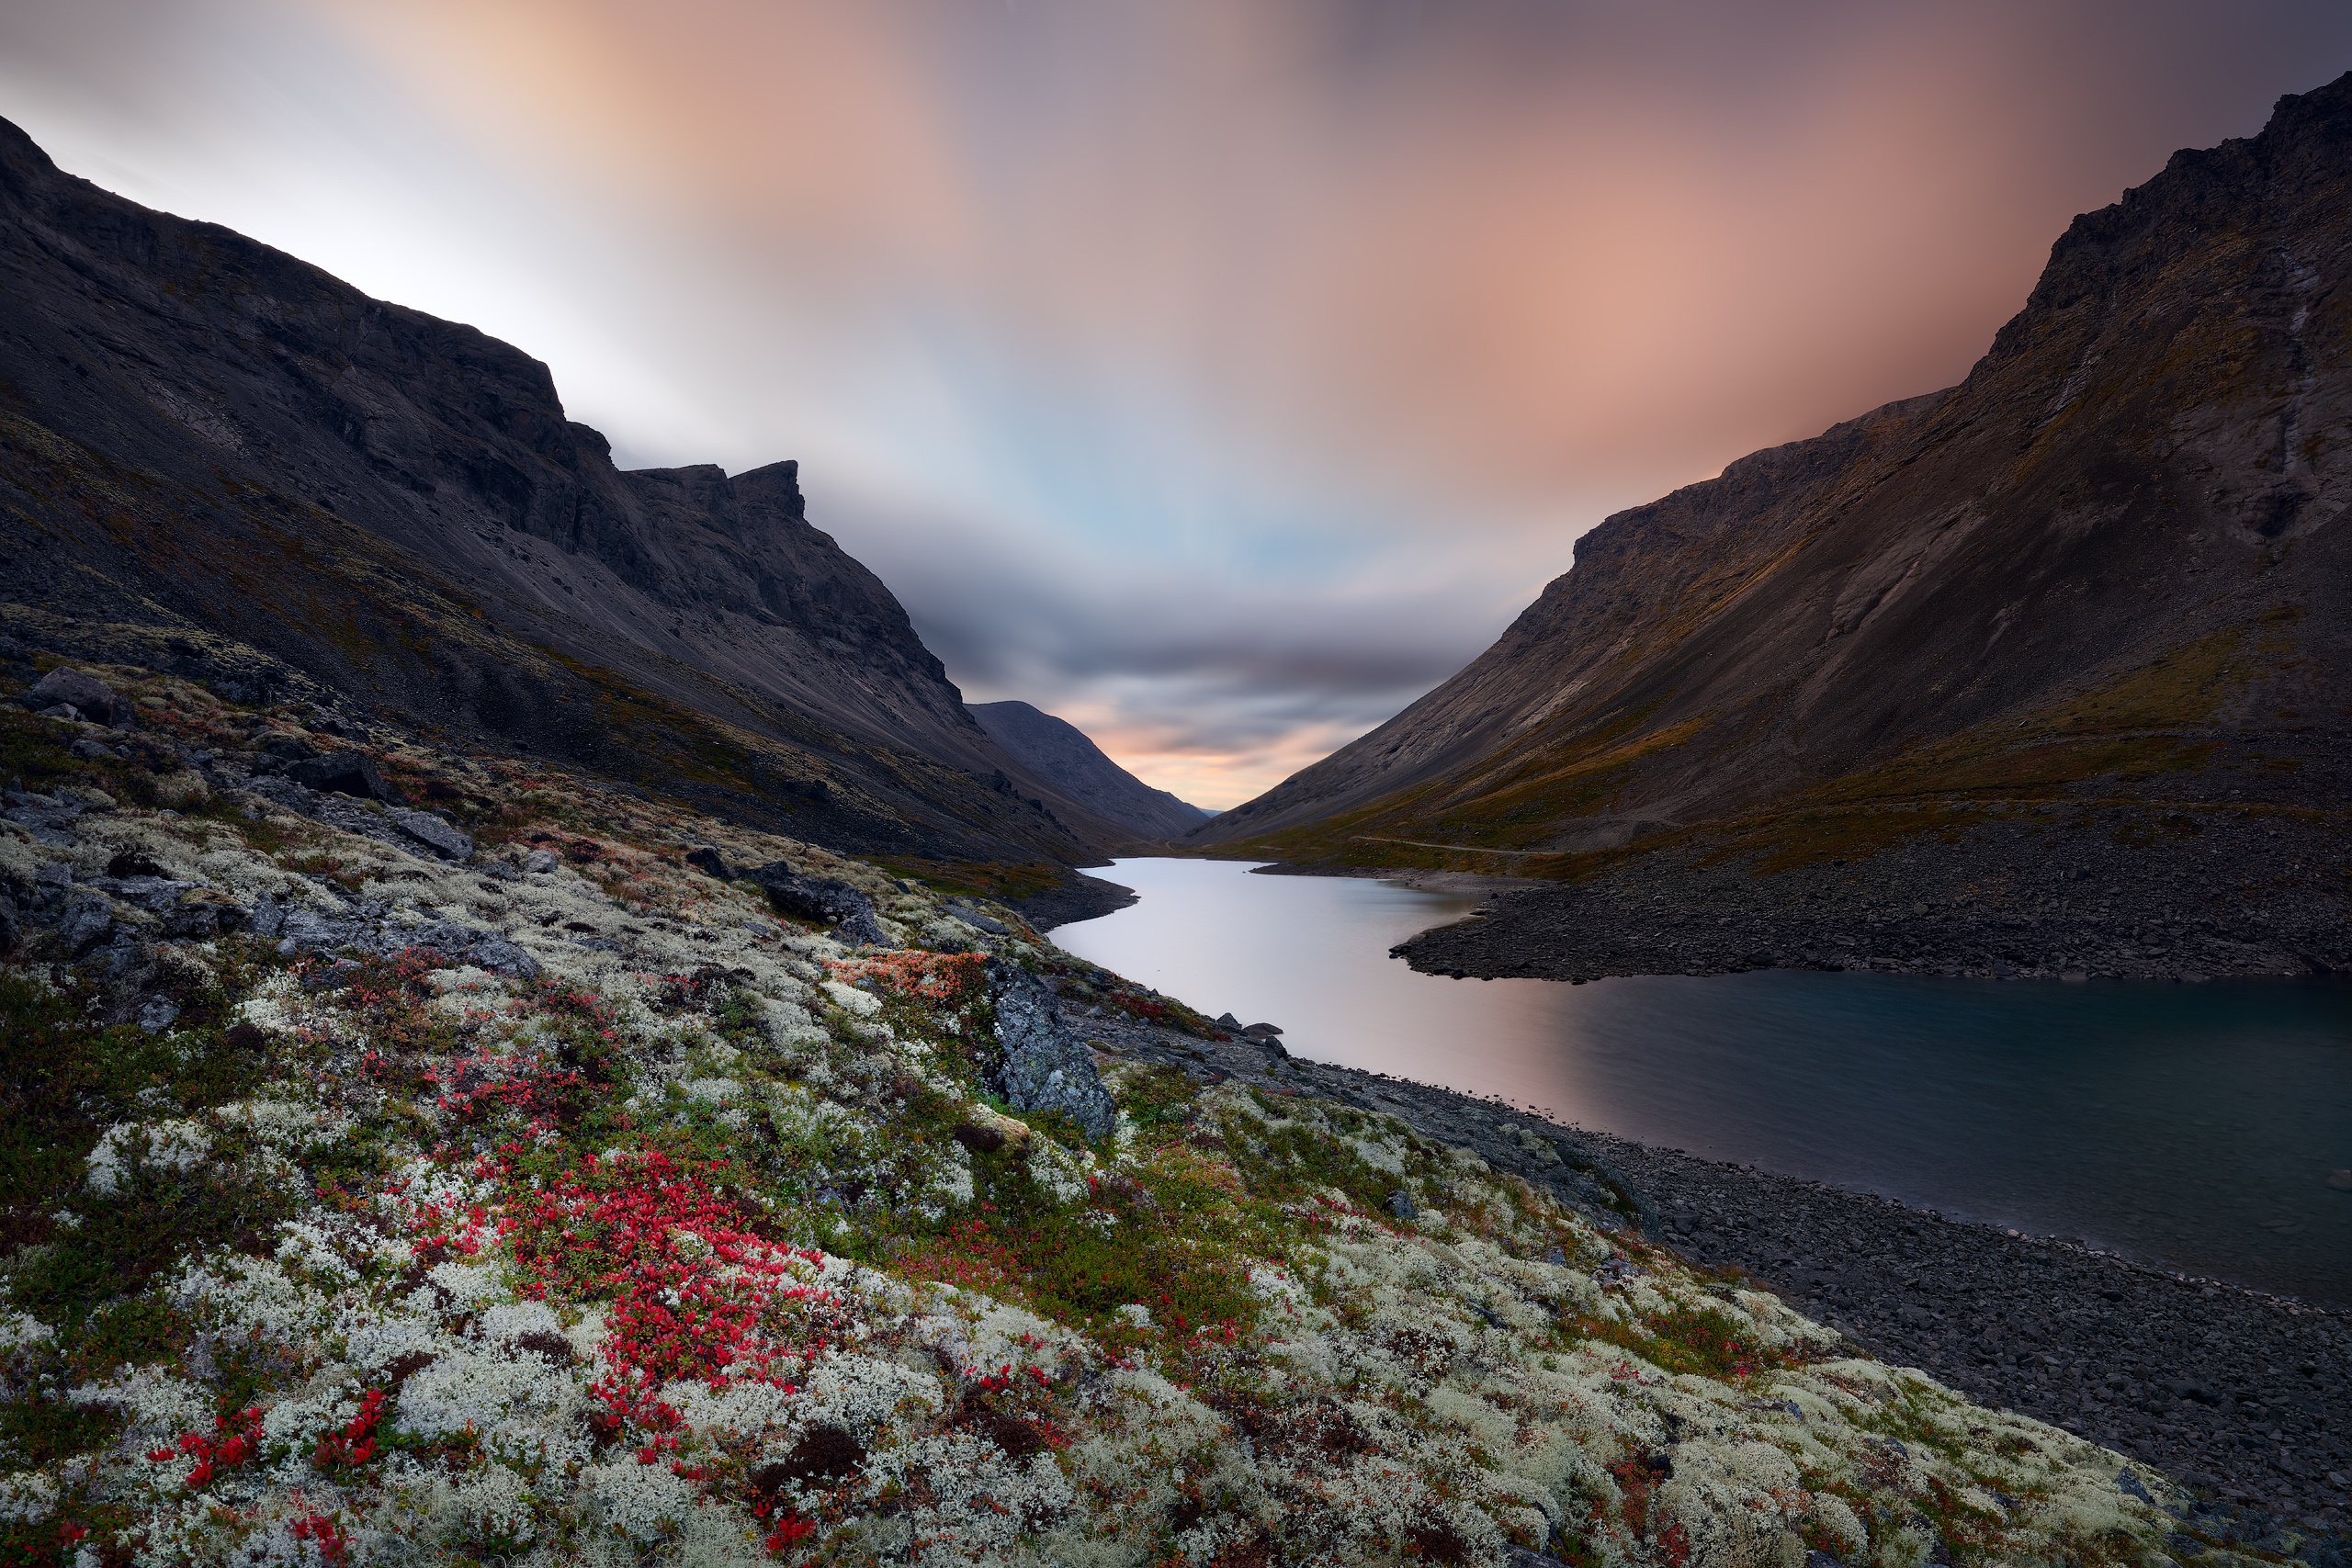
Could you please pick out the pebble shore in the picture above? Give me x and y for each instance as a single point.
(2240, 1395)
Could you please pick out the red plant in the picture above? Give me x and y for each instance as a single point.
(327, 1531)
(233, 1441)
(788, 1531)
(933, 977)
(692, 1286)
(356, 1444)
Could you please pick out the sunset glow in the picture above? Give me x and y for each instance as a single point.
(1217, 375)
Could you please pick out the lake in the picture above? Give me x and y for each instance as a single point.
(2191, 1126)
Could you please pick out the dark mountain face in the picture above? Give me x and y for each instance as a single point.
(2109, 569)
(198, 431)
(1059, 752)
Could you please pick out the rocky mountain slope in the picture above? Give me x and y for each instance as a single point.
(2098, 591)
(199, 434)
(527, 1183)
(1062, 753)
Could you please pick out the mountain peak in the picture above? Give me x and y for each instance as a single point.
(1064, 754)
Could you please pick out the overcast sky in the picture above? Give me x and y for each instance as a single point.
(1218, 374)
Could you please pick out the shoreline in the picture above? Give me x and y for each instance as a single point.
(2099, 1344)
(2026, 897)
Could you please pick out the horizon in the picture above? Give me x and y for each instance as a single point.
(1217, 382)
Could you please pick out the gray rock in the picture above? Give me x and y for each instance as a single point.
(1400, 1203)
(306, 930)
(849, 912)
(539, 861)
(157, 1015)
(87, 920)
(707, 860)
(341, 772)
(502, 957)
(1041, 1066)
(977, 920)
(432, 832)
(92, 697)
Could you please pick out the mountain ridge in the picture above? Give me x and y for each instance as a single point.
(2105, 568)
(1066, 755)
(197, 431)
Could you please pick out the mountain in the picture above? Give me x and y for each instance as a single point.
(2104, 578)
(202, 438)
(1059, 752)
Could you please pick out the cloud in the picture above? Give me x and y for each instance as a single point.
(1216, 374)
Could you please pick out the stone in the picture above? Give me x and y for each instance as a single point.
(1041, 1065)
(849, 912)
(87, 920)
(432, 832)
(88, 695)
(501, 957)
(1400, 1203)
(707, 860)
(977, 919)
(1264, 1030)
(540, 861)
(1230, 1023)
(341, 772)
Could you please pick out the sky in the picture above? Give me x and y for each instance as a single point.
(1220, 375)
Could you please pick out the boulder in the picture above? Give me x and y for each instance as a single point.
(86, 693)
(707, 860)
(432, 832)
(837, 904)
(977, 920)
(1040, 1065)
(341, 772)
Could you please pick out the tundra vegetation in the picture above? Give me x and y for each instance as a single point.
(464, 1176)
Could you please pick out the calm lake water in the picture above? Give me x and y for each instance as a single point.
(2193, 1126)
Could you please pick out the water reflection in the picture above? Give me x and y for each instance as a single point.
(2190, 1125)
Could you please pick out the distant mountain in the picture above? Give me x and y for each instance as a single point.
(2109, 570)
(200, 432)
(1060, 752)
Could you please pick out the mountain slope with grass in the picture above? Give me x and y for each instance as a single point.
(201, 435)
(1063, 754)
(2105, 584)
(492, 1163)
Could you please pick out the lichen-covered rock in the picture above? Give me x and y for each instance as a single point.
(1043, 1066)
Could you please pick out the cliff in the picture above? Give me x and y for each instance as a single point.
(198, 433)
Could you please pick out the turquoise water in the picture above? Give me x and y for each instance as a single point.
(2193, 1126)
